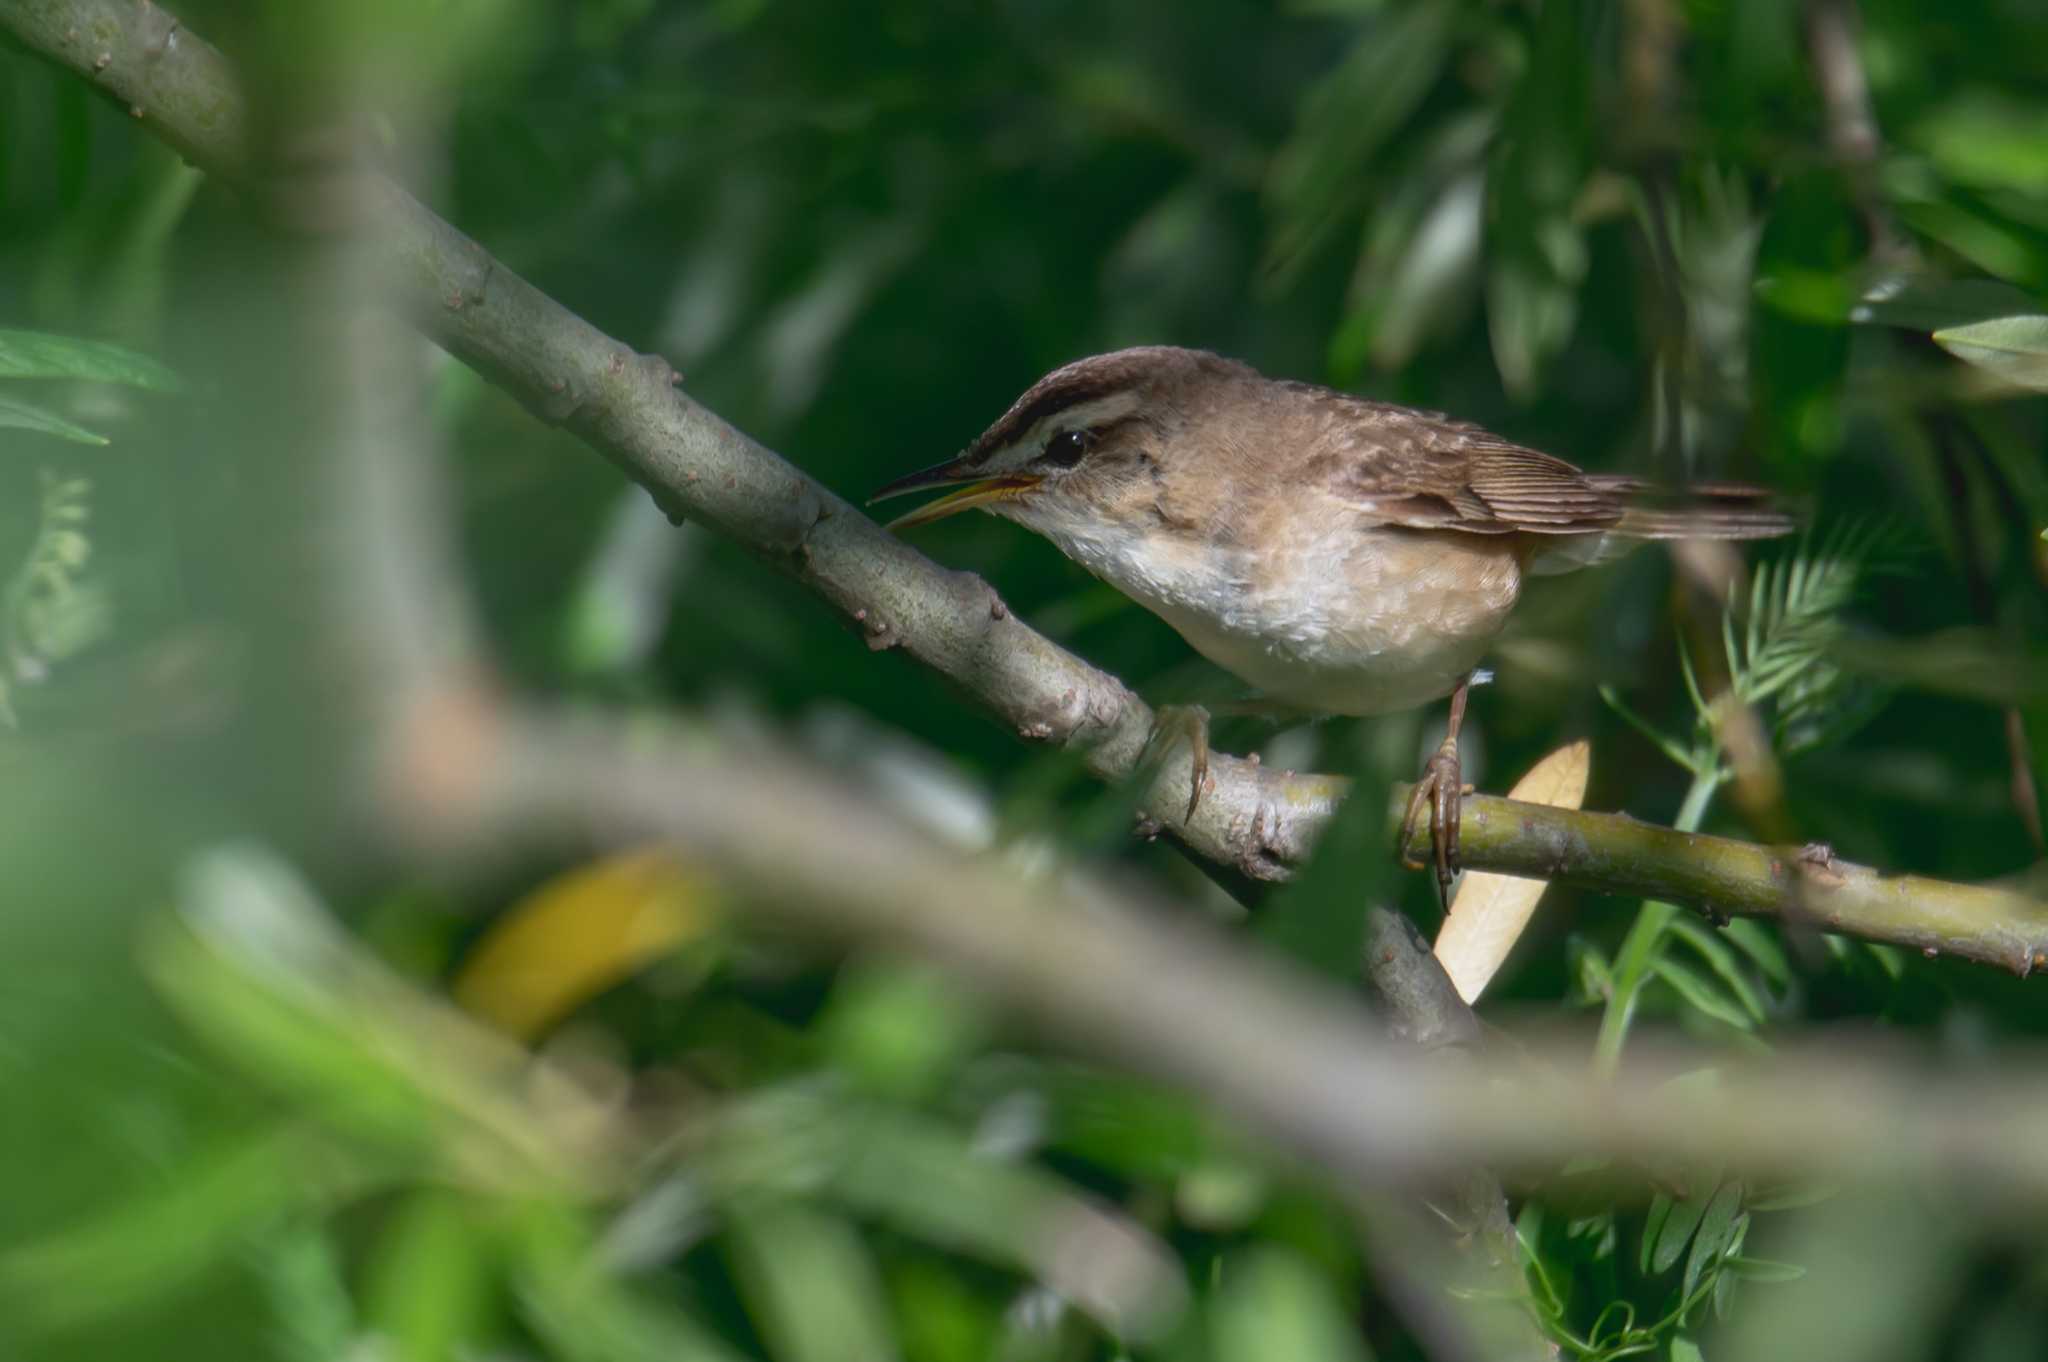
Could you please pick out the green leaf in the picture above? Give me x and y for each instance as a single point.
(1273, 1304)
(157, 1242)
(1764, 1269)
(1722, 1227)
(585, 1313)
(1684, 1349)
(1932, 304)
(1670, 747)
(2014, 348)
(900, 1028)
(1661, 1206)
(430, 1290)
(27, 416)
(1760, 944)
(1320, 173)
(1722, 958)
(810, 1284)
(1792, 1196)
(39, 354)
(1699, 992)
(1675, 1232)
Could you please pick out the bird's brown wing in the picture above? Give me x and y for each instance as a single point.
(1418, 469)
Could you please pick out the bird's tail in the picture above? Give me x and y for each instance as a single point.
(1701, 510)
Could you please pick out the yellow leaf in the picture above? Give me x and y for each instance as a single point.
(1490, 911)
(578, 935)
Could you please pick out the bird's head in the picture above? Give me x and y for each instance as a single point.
(1089, 441)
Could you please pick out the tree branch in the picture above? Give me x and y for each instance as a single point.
(625, 406)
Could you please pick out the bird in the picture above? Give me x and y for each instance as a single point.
(1338, 554)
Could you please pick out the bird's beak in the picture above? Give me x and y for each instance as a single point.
(979, 491)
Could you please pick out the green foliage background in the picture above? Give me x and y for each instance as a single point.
(1611, 230)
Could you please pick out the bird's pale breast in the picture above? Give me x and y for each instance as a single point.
(1330, 614)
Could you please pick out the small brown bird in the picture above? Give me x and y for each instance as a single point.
(1337, 554)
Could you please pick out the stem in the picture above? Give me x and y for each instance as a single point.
(1645, 940)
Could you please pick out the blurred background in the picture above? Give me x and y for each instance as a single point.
(254, 1073)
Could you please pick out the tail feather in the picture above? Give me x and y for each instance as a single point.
(1700, 510)
(1706, 510)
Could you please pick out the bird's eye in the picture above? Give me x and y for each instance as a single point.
(1065, 449)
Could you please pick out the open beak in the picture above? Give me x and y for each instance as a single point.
(976, 492)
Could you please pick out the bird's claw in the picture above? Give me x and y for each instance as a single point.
(1441, 790)
(1191, 723)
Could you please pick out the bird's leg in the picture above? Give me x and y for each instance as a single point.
(1189, 723)
(1441, 789)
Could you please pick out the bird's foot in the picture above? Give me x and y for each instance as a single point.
(1441, 790)
(1189, 724)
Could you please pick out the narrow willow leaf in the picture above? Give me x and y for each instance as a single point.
(430, 1291)
(1653, 1230)
(579, 934)
(2014, 348)
(1668, 746)
(1699, 993)
(155, 1243)
(1491, 911)
(39, 354)
(811, 1284)
(1722, 958)
(27, 416)
(1764, 1270)
(1932, 304)
(1722, 1226)
(1675, 1233)
(1792, 1196)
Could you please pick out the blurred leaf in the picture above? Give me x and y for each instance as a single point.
(1273, 1307)
(256, 968)
(307, 1286)
(1721, 957)
(943, 1317)
(157, 1243)
(901, 1028)
(39, 354)
(1700, 993)
(1799, 346)
(810, 1284)
(923, 1180)
(1417, 273)
(579, 934)
(1323, 171)
(1987, 139)
(586, 1314)
(1918, 303)
(1537, 253)
(1764, 1270)
(431, 1291)
(1761, 945)
(27, 416)
(2014, 348)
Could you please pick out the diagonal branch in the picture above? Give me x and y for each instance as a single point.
(625, 406)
